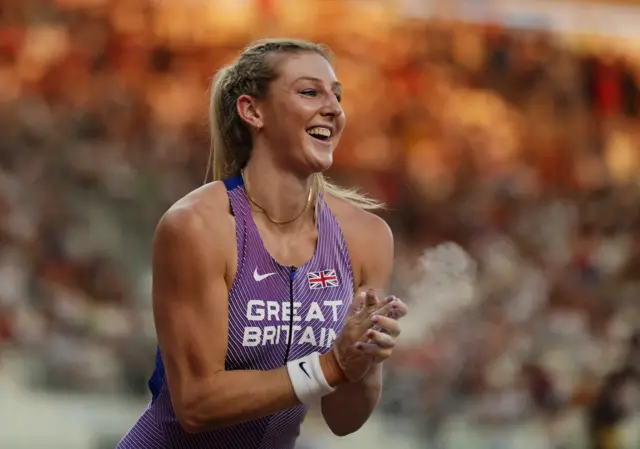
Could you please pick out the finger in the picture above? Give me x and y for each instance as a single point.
(367, 348)
(384, 341)
(364, 320)
(376, 309)
(385, 310)
(371, 298)
(389, 299)
(379, 354)
(391, 314)
(388, 324)
(370, 304)
(400, 310)
(356, 304)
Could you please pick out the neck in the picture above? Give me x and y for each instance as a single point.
(281, 194)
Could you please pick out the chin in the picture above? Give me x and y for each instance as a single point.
(320, 163)
(318, 155)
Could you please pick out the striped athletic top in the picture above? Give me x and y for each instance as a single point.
(263, 333)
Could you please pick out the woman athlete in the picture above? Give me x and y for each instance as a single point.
(254, 276)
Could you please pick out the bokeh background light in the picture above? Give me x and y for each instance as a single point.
(510, 128)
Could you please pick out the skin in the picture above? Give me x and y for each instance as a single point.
(370, 245)
(195, 259)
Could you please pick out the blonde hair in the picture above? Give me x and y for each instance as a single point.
(231, 139)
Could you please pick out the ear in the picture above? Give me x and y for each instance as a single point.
(249, 112)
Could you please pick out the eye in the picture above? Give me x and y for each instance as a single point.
(310, 92)
(339, 97)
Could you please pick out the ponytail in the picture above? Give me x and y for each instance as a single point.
(218, 150)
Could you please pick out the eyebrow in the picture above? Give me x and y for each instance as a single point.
(317, 80)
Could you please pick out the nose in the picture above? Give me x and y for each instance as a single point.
(331, 107)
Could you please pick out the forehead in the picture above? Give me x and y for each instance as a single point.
(291, 67)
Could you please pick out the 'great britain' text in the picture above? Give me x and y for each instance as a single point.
(306, 331)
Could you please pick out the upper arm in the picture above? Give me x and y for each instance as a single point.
(370, 244)
(375, 254)
(190, 302)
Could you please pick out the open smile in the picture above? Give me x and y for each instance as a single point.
(321, 133)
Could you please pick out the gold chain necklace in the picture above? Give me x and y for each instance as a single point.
(266, 214)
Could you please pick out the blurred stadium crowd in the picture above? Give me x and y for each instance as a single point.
(521, 146)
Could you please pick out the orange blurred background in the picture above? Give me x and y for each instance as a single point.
(509, 128)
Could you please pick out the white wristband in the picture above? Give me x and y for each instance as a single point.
(308, 380)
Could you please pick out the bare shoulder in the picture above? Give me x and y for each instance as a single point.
(200, 221)
(367, 235)
(199, 213)
(360, 224)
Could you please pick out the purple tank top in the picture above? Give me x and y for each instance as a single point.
(276, 314)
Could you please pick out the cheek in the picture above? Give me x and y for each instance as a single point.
(285, 116)
(341, 123)
(342, 120)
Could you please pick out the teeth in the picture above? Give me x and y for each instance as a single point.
(320, 131)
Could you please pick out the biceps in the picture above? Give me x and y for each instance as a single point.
(192, 328)
(375, 275)
(377, 263)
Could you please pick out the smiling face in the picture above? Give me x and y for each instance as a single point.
(301, 118)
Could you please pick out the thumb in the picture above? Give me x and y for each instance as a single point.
(356, 304)
(371, 298)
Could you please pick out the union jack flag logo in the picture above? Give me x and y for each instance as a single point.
(322, 279)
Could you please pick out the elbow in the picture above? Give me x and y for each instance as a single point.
(196, 409)
(190, 426)
(343, 430)
(192, 421)
(189, 420)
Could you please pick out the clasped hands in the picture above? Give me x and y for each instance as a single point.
(369, 335)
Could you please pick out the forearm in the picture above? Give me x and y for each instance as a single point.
(349, 407)
(233, 397)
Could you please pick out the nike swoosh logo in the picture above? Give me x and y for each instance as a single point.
(260, 277)
(301, 365)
